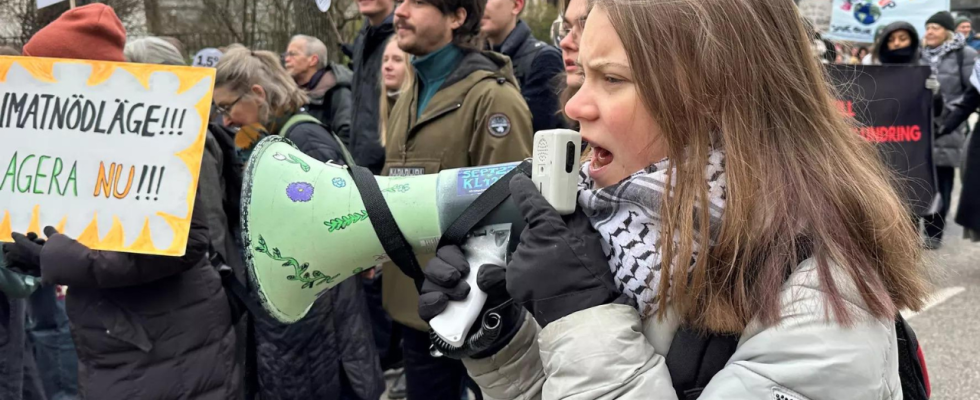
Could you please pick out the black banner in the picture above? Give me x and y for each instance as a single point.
(894, 108)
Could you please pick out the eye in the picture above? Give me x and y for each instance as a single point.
(612, 79)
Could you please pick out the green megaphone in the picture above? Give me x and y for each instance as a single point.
(306, 229)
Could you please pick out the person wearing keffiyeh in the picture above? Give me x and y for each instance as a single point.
(717, 201)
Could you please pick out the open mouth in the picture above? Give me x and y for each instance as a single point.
(601, 158)
(570, 65)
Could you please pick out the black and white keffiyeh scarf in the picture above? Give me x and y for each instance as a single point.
(935, 55)
(627, 216)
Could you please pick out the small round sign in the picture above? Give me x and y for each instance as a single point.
(207, 57)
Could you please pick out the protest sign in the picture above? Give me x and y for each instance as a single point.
(208, 57)
(44, 3)
(894, 109)
(817, 12)
(857, 20)
(108, 153)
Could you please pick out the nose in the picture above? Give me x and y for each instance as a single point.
(225, 119)
(567, 44)
(581, 106)
(400, 11)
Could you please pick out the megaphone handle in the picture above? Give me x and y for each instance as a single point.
(455, 322)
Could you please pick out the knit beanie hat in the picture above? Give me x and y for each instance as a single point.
(943, 19)
(961, 20)
(89, 32)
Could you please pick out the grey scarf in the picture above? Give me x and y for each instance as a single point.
(627, 216)
(935, 55)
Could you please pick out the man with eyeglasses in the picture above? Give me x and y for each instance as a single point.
(536, 63)
(328, 84)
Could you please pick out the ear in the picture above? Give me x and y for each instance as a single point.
(518, 7)
(314, 60)
(258, 91)
(458, 18)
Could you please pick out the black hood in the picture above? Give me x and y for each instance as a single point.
(496, 64)
(882, 45)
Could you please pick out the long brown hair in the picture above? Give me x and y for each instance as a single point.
(798, 175)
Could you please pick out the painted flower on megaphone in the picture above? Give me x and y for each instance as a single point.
(299, 191)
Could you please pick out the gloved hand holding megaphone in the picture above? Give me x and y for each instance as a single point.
(307, 225)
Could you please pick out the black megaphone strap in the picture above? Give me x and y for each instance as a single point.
(489, 200)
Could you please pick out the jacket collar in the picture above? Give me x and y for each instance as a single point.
(437, 65)
(514, 40)
(315, 79)
(321, 83)
(387, 27)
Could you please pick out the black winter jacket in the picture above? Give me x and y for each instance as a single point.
(968, 213)
(315, 142)
(19, 378)
(147, 327)
(365, 142)
(330, 99)
(537, 66)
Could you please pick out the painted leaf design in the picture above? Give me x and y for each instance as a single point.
(302, 164)
(291, 278)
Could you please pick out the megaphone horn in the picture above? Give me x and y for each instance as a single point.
(306, 229)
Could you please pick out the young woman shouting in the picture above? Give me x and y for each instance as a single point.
(725, 193)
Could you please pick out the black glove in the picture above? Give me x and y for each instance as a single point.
(445, 281)
(559, 266)
(24, 254)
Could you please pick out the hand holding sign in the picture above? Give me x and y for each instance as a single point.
(109, 153)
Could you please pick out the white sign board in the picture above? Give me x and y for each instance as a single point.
(323, 5)
(44, 3)
(817, 12)
(108, 153)
(857, 20)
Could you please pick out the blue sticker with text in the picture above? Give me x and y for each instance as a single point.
(473, 181)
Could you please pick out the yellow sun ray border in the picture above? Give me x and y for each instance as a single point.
(42, 69)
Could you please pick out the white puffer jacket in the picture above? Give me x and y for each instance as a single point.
(607, 352)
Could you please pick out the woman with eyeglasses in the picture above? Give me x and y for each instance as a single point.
(566, 32)
(325, 355)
